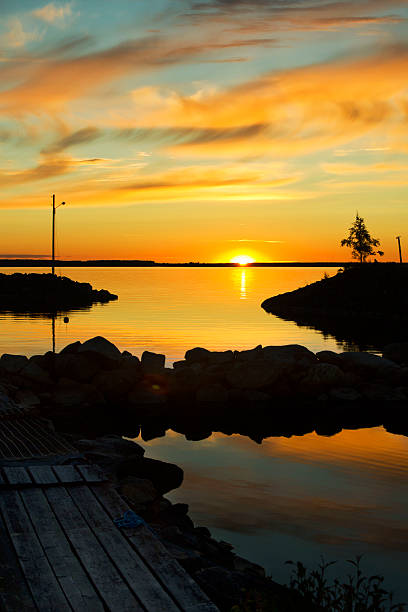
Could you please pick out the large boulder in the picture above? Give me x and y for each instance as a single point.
(367, 364)
(102, 346)
(110, 449)
(291, 353)
(69, 393)
(115, 384)
(249, 354)
(256, 375)
(197, 355)
(164, 476)
(329, 357)
(152, 363)
(140, 490)
(13, 364)
(35, 374)
(81, 367)
(220, 357)
(320, 376)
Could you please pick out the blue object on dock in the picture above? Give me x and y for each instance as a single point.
(129, 519)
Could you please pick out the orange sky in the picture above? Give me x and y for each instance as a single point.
(197, 131)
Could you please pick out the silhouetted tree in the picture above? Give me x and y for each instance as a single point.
(360, 241)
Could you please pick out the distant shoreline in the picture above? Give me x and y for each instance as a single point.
(136, 263)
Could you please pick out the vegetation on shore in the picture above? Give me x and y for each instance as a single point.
(312, 591)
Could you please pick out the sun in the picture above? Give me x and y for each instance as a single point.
(242, 260)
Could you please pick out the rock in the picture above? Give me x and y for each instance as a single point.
(329, 357)
(80, 367)
(115, 384)
(102, 346)
(113, 447)
(379, 392)
(164, 476)
(197, 355)
(46, 361)
(220, 357)
(397, 352)
(255, 375)
(13, 363)
(180, 364)
(322, 375)
(290, 353)
(35, 374)
(139, 490)
(250, 354)
(129, 362)
(346, 394)
(152, 362)
(243, 565)
(367, 363)
(69, 393)
(71, 348)
(213, 393)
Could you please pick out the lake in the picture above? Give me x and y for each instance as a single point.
(288, 498)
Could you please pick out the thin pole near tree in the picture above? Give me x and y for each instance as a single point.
(399, 247)
(54, 208)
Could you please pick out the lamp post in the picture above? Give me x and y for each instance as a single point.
(399, 247)
(54, 208)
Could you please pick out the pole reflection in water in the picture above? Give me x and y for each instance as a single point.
(53, 331)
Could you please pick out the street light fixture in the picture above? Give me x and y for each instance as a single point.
(53, 232)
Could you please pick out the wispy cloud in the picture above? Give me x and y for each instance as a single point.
(52, 12)
(82, 136)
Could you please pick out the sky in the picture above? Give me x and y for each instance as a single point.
(198, 130)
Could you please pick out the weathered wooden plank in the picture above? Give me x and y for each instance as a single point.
(17, 475)
(42, 474)
(66, 566)
(67, 474)
(92, 473)
(14, 592)
(43, 584)
(182, 587)
(107, 580)
(139, 577)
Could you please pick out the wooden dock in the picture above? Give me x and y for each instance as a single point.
(60, 548)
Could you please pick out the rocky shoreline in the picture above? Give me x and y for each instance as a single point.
(47, 293)
(95, 395)
(363, 304)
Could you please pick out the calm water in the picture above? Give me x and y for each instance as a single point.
(171, 310)
(289, 498)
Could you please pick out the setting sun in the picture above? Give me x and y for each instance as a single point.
(242, 260)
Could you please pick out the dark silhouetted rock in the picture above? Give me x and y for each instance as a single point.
(140, 490)
(71, 348)
(102, 346)
(329, 357)
(197, 355)
(164, 476)
(152, 362)
(35, 374)
(291, 353)
(13, 363)
(250, 354)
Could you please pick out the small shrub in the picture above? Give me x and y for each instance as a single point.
(357, 593)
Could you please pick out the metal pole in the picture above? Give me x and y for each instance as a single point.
(399, 248)
(53, 235)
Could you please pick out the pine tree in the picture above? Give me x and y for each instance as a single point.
(360, 241)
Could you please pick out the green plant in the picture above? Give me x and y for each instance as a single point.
(357, 593)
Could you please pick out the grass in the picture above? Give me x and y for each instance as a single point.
(311, 591)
